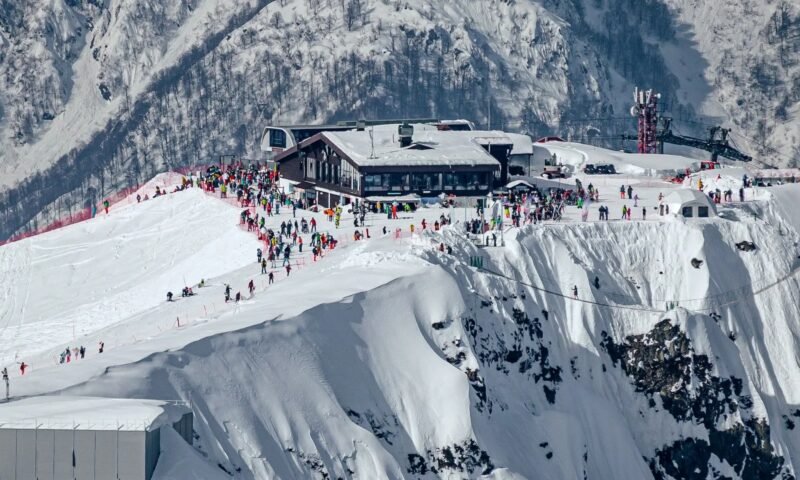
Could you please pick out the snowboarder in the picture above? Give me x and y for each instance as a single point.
(169, 296)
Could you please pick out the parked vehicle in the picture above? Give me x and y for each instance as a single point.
(554, 171)
(602, 169)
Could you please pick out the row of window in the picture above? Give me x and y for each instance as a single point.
(451, 181)
(345, 176)
(702, 212)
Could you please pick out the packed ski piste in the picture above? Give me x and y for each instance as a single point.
(370, 317)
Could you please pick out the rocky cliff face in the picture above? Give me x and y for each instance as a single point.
(98, 95)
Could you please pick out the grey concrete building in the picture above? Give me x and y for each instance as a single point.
(86, 438)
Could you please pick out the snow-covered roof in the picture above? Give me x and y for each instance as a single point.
(430, 147)
(89, 413)
(523, 144)
(686, 195)
(518, 183)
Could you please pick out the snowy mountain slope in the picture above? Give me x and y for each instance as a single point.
(62, 280)
(390, 359)
(131, 89)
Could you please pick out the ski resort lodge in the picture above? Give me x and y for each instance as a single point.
(86, 438)
(400, 162)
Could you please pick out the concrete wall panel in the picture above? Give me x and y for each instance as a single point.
(8, 454)
(131, 456)
(84, 455)
(105, 460)
(63, 454)
(45, 449)
(26, 455)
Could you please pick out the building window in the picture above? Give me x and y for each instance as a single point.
(702, 212)
(373, 183)
(394, 182)
(425, 181)
(687, 212)
(277, 138)
(450, 181)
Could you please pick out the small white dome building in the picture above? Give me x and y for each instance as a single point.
(688, 203)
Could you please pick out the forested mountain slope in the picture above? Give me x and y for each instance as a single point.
(96, 95)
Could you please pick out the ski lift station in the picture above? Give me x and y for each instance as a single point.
(86, 438)
(688, 203)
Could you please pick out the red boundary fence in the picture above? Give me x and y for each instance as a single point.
(86, 213)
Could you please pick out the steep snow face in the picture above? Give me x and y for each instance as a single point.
(394, 360)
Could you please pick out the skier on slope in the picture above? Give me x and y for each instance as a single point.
(251, 287)
(169, 296)
(263, 266)
(271, 277)
(227, 293)
(106, 204)
(258, 255)
(575, 291)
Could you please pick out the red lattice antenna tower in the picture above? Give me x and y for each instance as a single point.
(645, 107)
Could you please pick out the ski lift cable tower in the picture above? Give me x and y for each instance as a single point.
(645, 107)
